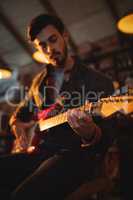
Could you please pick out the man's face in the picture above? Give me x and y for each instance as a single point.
(53, 45)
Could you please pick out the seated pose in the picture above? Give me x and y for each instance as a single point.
(70, 134)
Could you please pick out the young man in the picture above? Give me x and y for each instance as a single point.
(63, 84)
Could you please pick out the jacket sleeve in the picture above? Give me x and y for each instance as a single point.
(100, 83)
(103, 86)
(107, 125)
(28, 107)
(24, 111)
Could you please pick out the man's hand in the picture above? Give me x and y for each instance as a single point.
(20, 130)
(83, 125)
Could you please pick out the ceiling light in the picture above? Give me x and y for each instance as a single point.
(5, 73)
(125, 24)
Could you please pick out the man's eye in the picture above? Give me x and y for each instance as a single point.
(43, 45)
(53, 39)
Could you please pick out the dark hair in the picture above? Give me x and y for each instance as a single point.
(40, 22)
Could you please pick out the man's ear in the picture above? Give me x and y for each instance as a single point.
(66, 36)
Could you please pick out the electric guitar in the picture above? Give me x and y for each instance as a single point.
(105, 107)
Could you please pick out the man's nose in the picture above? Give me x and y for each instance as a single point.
(50, 49)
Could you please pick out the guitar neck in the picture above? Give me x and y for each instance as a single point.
(60, 118)
(104, 107)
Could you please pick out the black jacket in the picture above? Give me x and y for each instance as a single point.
(85, 81)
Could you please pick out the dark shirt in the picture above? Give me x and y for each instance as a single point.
(83, 84)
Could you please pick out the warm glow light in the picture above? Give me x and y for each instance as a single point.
(126, 24)
(5, 74)
(39, 57)
(31, 149)
(116, 85)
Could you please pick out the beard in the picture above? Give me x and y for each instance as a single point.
(58, 59)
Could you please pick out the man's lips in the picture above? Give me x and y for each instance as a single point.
(55, 59)
(55, 56)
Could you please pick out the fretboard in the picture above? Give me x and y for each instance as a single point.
(60, 118)
(104, 107)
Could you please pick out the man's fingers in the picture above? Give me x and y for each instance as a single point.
(81, 123)
(72, 119)
(76, 120)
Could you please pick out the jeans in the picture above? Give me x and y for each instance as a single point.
(56, 177)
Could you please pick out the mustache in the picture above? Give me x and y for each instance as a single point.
(54, 54)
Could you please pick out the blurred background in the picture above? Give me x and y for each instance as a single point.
(95, 36)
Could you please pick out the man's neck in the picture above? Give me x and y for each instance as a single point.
(68, 64)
